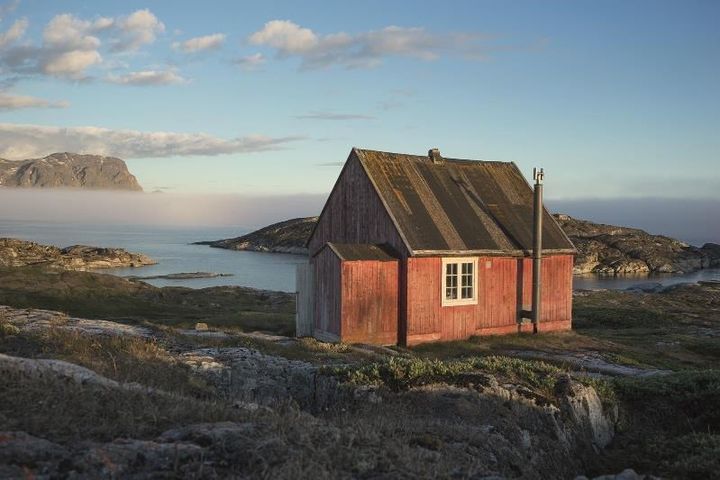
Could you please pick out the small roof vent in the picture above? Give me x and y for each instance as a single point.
(435, 157)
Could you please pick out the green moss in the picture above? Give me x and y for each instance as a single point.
(400, 373)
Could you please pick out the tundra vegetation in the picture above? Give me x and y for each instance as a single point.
(112, 380)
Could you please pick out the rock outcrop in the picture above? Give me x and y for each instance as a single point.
(68, 170)
(283, 237)
(610, 249)
(21, 253)
(605, 249)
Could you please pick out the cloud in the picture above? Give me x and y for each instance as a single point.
(26, 141)
(67, 32)
(71, 45)
(14, 33)
(8, 7)
(148, 77)
(251, 62)
(367, 49)
(330, 164)
(15, 102)
(198, 44)
(334, 116)
(137, 29)
(72, 63)
(397, 98)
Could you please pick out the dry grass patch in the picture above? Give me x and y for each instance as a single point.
(122, 358)
(62, 410)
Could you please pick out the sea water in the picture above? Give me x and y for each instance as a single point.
(172, 248)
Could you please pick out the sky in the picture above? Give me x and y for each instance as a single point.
(617, 100)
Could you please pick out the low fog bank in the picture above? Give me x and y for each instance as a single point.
(696, 221)
(162, 209)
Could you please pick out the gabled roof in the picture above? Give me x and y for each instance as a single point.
(361, 251)
(458, 206)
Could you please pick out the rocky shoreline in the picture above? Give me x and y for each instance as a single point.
(602, 249)
(22, 253)
(180, 276)
(282, 237)
(613, 250)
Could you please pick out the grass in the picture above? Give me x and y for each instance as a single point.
(398, 373)
(674, 331)
(122, 358)
(670, 425)
(99, 296)
(64, 411)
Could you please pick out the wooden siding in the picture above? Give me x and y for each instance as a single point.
(327, 295)
(504, 285)
(556, 300)
(304, 300)
(369, 304)
(355, 214)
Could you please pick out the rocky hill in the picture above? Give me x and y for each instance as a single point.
(610, 249)
(21, 253)
(70, 170)
(283, 237)
(606, 249)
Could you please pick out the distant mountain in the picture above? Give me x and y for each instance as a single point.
(283, 237)
(605, 249)
(69, 170)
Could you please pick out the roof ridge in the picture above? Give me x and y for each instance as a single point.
(425, 157)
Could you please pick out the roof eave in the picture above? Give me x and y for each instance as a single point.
(490, 253)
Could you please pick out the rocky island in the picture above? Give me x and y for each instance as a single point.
(21, 253)
(609, 249)
(602, 249)
(282, 237)
(68, 170)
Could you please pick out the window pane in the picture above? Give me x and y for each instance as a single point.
(467, 292)
(468, 268)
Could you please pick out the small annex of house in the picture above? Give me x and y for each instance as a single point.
(413, 248)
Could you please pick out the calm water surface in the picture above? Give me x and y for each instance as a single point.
(171, 248)
(594, 282)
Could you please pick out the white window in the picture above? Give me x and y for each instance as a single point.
(459, 281)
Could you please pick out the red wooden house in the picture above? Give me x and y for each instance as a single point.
(411, 249)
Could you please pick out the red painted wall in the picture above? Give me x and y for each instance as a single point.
(369, 302)
(356, 301)
(504, 286)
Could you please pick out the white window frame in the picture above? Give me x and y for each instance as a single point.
(451, 302)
